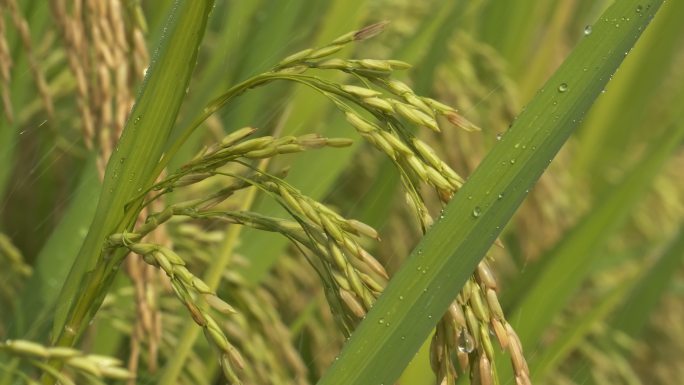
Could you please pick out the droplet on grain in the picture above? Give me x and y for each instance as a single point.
(562, 87)
(465, 342)
(587, 30)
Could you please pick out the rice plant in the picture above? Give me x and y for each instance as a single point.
(340, 192)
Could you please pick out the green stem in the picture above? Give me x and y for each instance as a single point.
(129, 168)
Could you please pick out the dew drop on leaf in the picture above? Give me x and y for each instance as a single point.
(563, 87)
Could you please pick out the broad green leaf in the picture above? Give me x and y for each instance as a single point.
(132, 167)
(414, 301)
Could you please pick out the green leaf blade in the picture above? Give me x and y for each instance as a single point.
(414, 301)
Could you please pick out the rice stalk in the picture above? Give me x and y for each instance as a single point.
(73, 33)
(5, 70)
(21, 25)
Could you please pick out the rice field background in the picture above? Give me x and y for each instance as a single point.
(341, 192)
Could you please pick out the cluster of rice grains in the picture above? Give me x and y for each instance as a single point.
(382, 110)
(341, 261)
(21, 26)
(104, 40)
(463, 335)
(86, 366)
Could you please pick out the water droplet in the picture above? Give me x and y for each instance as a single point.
(424, 271)
(516, 145)
(429, 316)
(381, 321)
(137, 119)
(470, 197)
(639, 8)
(587, 30)
(563, 87)
(477, 211)
(501, 196)
(403, 338)
(465, 342)
(512, 161)
(401, 298)
(499, 136)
